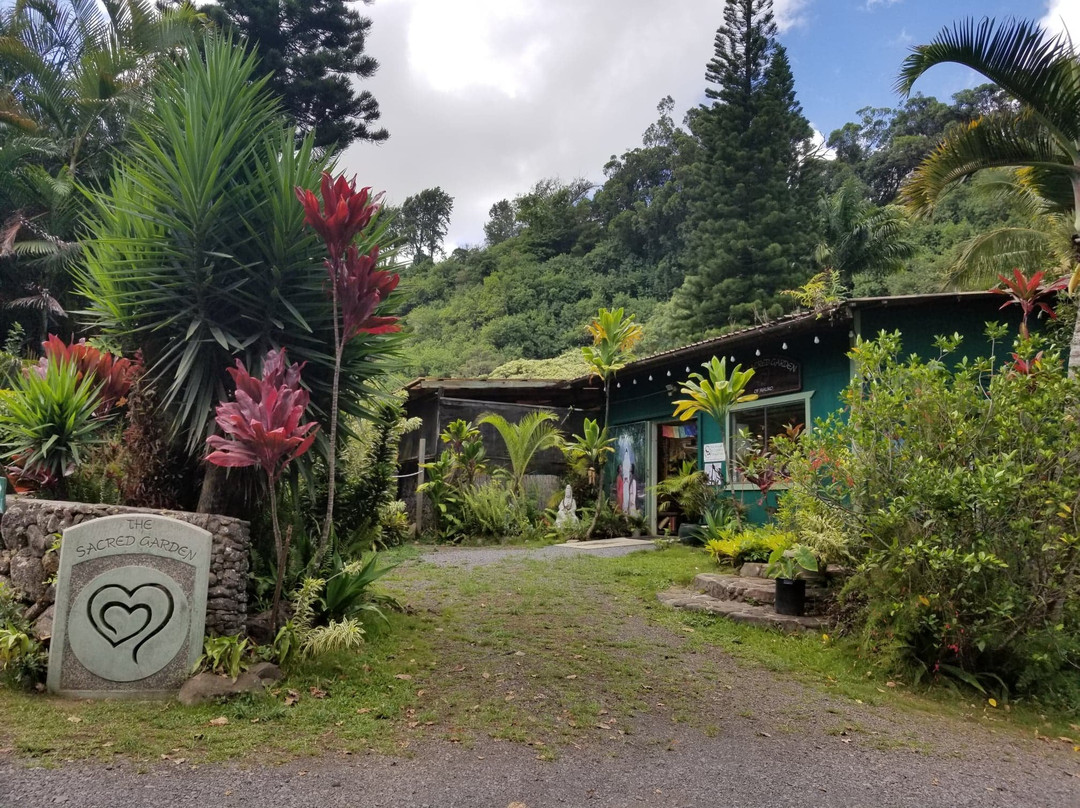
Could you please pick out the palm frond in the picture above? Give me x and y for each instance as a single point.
(1037, 69)
(1000, 141)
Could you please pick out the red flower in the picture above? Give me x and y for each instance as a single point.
(263, 423)
(361, 288)
(347, 212)
(114, 375)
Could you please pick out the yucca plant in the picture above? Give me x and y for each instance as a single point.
(198, 253)
(47, 422)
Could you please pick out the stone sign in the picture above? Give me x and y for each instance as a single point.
(130, 606)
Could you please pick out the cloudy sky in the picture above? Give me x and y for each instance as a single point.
(485, 97)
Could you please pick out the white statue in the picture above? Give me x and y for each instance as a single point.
(567, 515)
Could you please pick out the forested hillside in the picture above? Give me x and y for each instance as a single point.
(701, 227)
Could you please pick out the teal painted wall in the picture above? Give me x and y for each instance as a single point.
(826, 370)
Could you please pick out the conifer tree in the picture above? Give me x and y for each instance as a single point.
(313, 51)
(750, 189)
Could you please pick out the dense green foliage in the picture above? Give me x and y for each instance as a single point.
(658, 237)
(311, 52)
(751, 189)
(953, 486)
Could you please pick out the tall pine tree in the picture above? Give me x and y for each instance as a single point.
(749, 184)
(314, 52)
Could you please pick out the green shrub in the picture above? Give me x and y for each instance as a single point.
(957, 491)
(47, 423)
(22, 657)
(224, 655)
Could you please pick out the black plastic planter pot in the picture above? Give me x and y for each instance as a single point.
(790, 596)
(689, 533)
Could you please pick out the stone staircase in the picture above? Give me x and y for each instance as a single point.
(748, 599)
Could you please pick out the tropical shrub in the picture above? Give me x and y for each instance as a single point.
(224, 655)
(47, 423)
(752, 544)
(367, 484)
(957, 491)
(22, 658)
(262, 428)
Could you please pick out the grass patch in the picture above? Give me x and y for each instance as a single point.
(545, 653)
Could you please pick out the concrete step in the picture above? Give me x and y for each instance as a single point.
(755, 591)
(741, 612)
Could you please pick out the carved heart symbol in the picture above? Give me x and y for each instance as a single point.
(120, 614)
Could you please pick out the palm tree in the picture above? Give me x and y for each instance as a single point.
(534, 433)
(614, 336)
(1040, 237)
(860, 237)
(74, 75)
(1040, 136)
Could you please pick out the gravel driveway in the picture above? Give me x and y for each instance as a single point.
(796, 747)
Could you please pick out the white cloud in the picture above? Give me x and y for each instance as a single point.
(485, 97)
(872, 4)
(1061, 16)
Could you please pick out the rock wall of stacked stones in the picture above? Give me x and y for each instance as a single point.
(31, 528)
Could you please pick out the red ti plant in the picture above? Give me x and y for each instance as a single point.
(1028, 294)
(262, 428)
(357, 289)
(114, 375)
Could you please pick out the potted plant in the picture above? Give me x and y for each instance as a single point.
(784, 566)
(690, 490)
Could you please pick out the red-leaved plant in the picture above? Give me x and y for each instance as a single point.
(1028, 294)
(262, 428)
(357, 289)
(114, 375)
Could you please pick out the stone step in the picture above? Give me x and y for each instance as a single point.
(741, 612)
(755, 591)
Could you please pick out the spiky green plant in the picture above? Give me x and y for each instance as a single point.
(47, 422)
(198, 252)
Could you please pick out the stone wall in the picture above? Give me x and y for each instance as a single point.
(29, 528)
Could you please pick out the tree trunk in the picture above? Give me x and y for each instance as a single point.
(600, 470)
(213, 495)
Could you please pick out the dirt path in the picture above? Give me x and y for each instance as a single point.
(598, 705)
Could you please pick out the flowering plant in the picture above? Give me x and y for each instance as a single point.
(262, 428)
(357, 289)
(115, 375)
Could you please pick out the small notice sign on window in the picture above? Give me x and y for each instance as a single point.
(714, 453)
(715, 473)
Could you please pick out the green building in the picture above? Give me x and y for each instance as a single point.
(801, 367)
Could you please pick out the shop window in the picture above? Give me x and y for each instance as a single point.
(756, 424)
